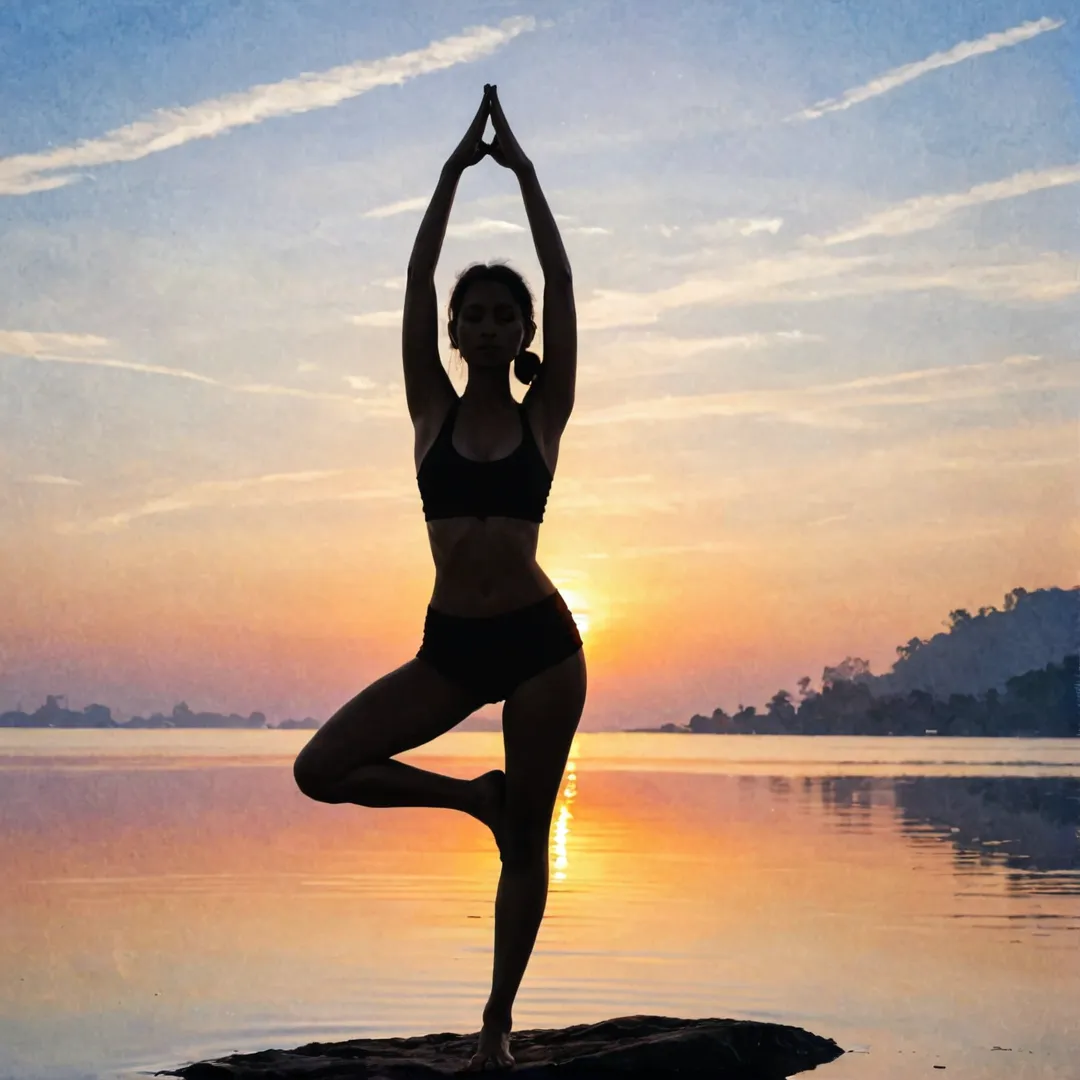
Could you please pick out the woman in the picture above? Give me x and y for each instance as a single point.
(496, 627)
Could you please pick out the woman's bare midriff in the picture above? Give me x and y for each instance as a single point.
(485, 567)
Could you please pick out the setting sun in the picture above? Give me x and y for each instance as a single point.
(579, 608)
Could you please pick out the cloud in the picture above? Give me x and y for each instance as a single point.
(830, 404)
(271, 489)
(378, 318)
(33, 344)
(360, 382)
(756, 225)
(735, 226)
(38, 347)
(673, 352)
(484, 227)
(926, 211)
(749, 282)
(402, 207)
(898, 76)
(814, 276)
(44, 478)
(165, 129)
(587, 230)
(684, 347)
(702, 547)
(827, 520)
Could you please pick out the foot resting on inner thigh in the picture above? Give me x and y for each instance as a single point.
(491, 802)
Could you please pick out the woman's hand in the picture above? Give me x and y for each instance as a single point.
(504, 148)
(472, 148)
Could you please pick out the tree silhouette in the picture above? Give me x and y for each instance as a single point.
(848, 670)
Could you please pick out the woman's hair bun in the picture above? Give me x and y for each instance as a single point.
(526, 366)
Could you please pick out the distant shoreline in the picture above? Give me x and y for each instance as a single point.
(496, 729)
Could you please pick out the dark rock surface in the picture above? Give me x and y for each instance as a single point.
(645, 1046)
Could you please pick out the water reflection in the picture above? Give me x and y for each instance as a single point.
(168, 910)
(560, 832)
(1028, 827)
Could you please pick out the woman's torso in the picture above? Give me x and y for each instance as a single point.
(486, 566)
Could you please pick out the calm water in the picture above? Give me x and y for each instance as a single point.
(170, 896)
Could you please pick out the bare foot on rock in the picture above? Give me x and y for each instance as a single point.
(492, 1051)
(491, 802)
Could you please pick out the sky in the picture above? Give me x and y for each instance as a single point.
(825, 261)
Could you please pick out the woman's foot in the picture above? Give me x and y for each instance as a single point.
(492, 1050)
(491, 802)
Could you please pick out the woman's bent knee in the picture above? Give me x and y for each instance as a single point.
(312, 781)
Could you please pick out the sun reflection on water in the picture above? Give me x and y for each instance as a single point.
(563, 817)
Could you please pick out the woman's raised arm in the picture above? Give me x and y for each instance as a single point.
(429, 238)
(426, 380)
(558, 373)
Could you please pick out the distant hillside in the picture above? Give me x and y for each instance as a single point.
(982, 651)
(1013, 673)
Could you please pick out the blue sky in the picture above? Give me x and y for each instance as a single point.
(825, 259)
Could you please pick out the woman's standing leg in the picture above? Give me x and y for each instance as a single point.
(539, 722)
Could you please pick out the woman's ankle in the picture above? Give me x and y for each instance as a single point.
(497, 1017)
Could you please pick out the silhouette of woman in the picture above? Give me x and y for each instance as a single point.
(496, 628)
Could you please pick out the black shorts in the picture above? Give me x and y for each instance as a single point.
(492, 655)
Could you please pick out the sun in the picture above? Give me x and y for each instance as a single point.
(579, 608)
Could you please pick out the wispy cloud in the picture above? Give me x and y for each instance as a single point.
(34, 343)
(360, 382)
(402, 207)
(38, 347)
(270, 489)
(666, 355)
(735, 226)
(484, 227)
(42, 347)
(130, 365)
(641, 551)
(756, 225)
(165, 129)
(813, 276)
(45, 478)
(898, 76)
(684, 347)
(378, 318)
(926, 211)
(832, 405)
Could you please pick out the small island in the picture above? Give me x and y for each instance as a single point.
(1037, 704)
(1009, 673)
(55, 715)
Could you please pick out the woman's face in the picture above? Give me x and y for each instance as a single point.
(490, 329)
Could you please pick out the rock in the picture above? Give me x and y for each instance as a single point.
(645, 1046)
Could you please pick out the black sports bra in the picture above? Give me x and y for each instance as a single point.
(514, 486)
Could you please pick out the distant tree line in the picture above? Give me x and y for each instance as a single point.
(54, 715)
(999, 672)
(1038, 703)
